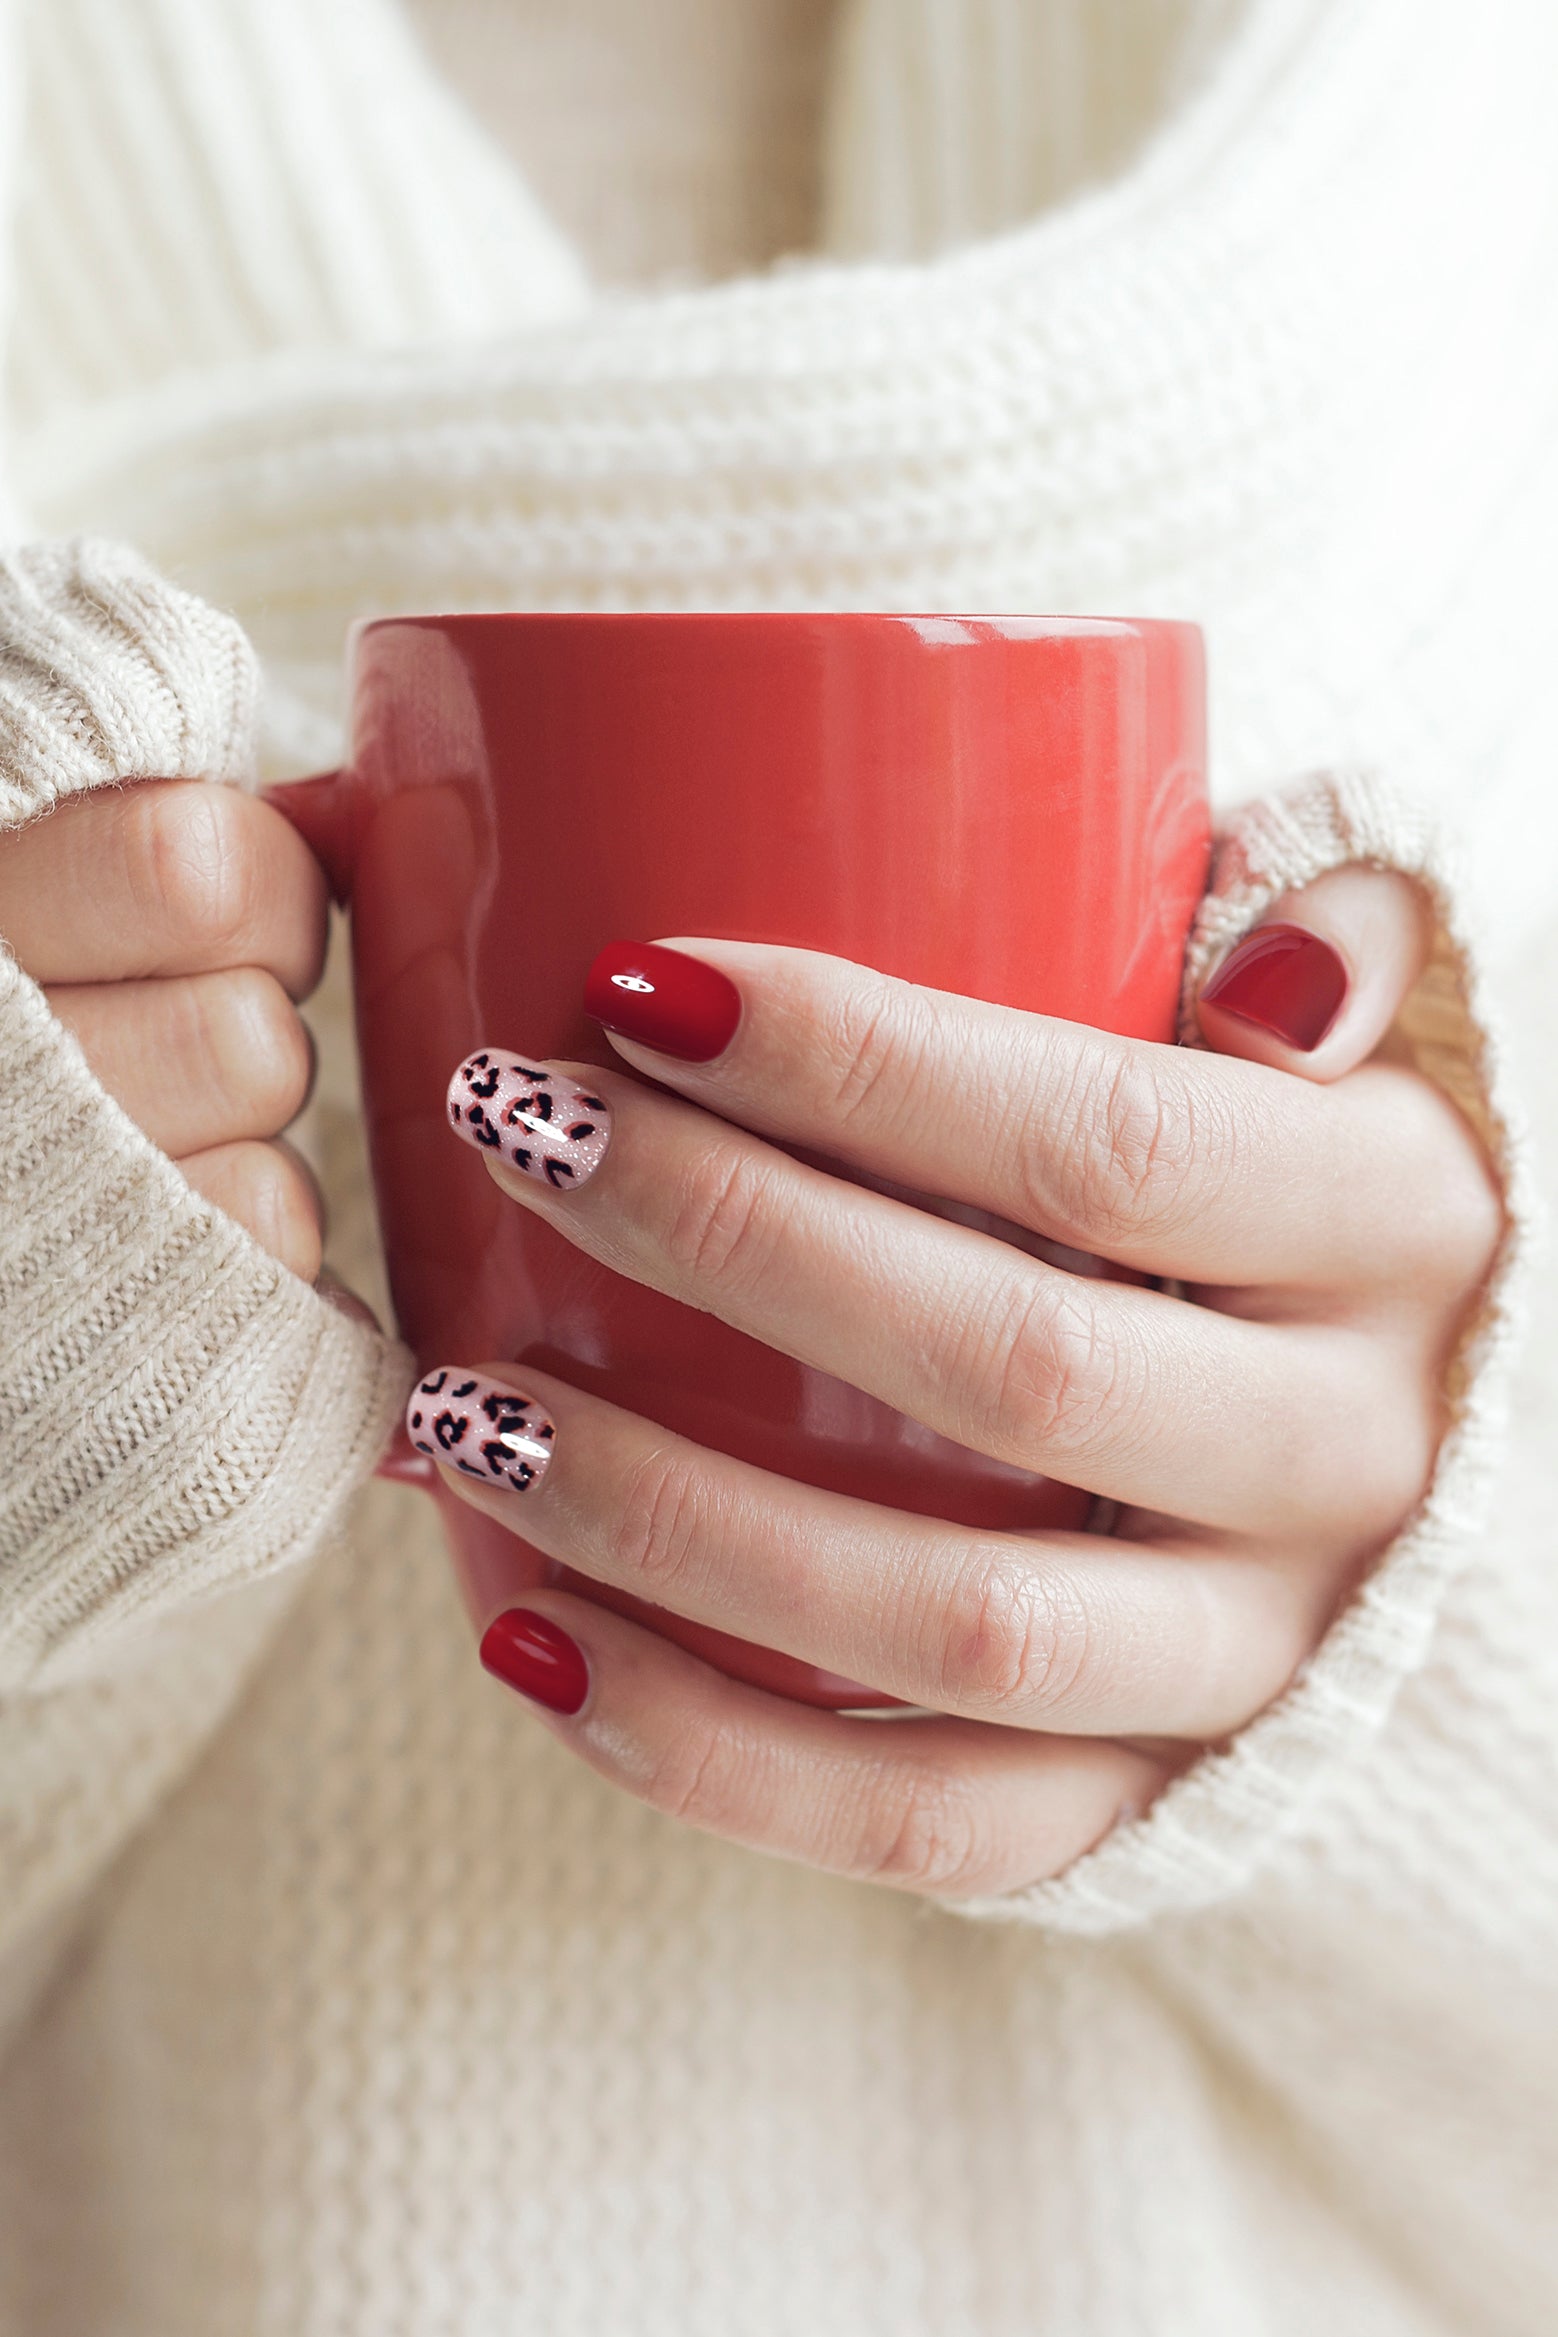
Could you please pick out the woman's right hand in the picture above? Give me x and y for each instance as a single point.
(175, 926)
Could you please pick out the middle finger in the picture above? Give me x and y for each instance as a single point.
(1126, 1392)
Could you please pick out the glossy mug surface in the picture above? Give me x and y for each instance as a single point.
(1010, 807)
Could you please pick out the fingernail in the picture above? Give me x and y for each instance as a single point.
(664, 1000)
(539, 1122)
(486, 1431)
(1282, 980)
(528, 1652)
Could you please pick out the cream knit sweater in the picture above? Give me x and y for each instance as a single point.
(337, 1999)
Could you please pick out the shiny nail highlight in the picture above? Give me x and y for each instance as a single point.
(540, 1122)
(485, 1431)
(527, 1651)
(1283, 980)
(665, 1000)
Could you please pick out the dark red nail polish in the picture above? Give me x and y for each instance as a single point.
(665, 1000)
(531, 1654)
(1282, 980)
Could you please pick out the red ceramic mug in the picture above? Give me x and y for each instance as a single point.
(1010, 807)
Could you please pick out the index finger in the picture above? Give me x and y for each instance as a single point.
(168, 876)
(1165, 1159)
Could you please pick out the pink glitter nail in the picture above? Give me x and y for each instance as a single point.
(537, 1121)
(486, 1431)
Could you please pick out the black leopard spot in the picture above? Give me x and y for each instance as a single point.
(488, 1135)
(580, 1130)
(592, 1103)
(433, 1387)
(466, 1388)
(487, 1085)
(558, 1173)
(450, 1428)
(536, 1078)
(501, 1407)
(537, 1106)
(520, 1157)
(416, 1419)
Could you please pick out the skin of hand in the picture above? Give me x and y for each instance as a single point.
(1263, 1427)
(175, 926)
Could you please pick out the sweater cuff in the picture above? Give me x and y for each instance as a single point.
(178, 1412)
(1215, 1826)
(109, 673)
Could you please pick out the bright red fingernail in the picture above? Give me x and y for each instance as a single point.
(529, 1653)
(664, 1000)
(1282, 980)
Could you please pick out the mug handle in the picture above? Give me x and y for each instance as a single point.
(325, 810)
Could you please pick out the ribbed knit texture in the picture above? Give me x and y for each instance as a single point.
(392, 2019)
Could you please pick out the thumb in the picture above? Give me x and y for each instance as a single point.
(1318, 983)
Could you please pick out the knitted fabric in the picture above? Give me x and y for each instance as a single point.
(390, 2017)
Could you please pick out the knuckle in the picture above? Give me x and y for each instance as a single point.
(1125, 1174)
(1457, 1231)
(658, 1537)
(258, 1045)
(1365, 1453)
(880, 1027)
(696, 1778)
(930, 1836)
(271, 1194)
(722, 1229)
(190, 867)
(1011, 1642)
(1048, 1374)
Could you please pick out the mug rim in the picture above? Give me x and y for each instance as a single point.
(1005, 624)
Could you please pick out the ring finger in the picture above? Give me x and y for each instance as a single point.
(1069, 1632)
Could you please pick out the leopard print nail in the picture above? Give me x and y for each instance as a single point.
(540, 1122)
(483, 1430)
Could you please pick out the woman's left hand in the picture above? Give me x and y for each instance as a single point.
(1326, 1212)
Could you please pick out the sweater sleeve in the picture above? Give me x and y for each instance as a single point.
(1222, 1821)
(181, 1419)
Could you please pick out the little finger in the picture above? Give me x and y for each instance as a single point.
(944, 1808)
(271, 1191)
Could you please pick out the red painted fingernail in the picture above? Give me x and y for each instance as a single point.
(1282, 980)
(529, 1653)
(664, 1000)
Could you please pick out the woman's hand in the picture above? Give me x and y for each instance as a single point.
(174, 926)
(1263, 1436)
